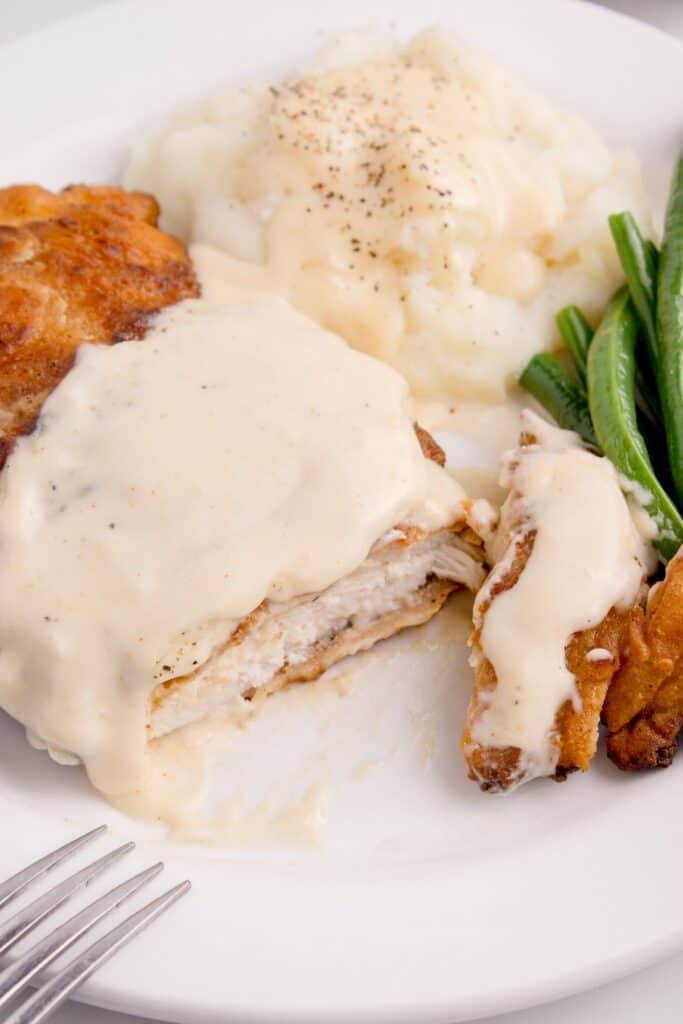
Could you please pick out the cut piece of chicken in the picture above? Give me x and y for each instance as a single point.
(552, 566)
(644, 707)
(87, 264)
(404, 581)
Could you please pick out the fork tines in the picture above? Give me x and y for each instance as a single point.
(51, 993)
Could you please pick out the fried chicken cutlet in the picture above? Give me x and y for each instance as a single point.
(552, 619)
(89, 265)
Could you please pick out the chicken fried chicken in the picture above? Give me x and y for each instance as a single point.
(538, 715)
(88, 264)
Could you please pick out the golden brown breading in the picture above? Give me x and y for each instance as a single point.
(644, 707)
(87, 264)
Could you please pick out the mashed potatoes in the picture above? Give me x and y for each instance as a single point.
(420, 202)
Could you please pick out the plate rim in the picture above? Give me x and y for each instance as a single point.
(99, 991)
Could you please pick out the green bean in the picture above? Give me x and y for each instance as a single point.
(576, 333)
(611, 398)
(547, 380)
(670, 328)
(639, 262)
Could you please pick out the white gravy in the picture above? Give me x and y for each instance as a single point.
(238, 452)
(587, 558)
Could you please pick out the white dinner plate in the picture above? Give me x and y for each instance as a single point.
(425, 901)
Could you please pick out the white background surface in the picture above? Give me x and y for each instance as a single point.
(655, 995)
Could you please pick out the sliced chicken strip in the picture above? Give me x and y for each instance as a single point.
(552, 618)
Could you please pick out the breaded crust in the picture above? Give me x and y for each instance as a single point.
(644, 707)
(87, 264)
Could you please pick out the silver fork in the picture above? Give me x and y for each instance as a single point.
(51, 993)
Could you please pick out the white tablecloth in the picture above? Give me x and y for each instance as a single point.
(654, 995)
